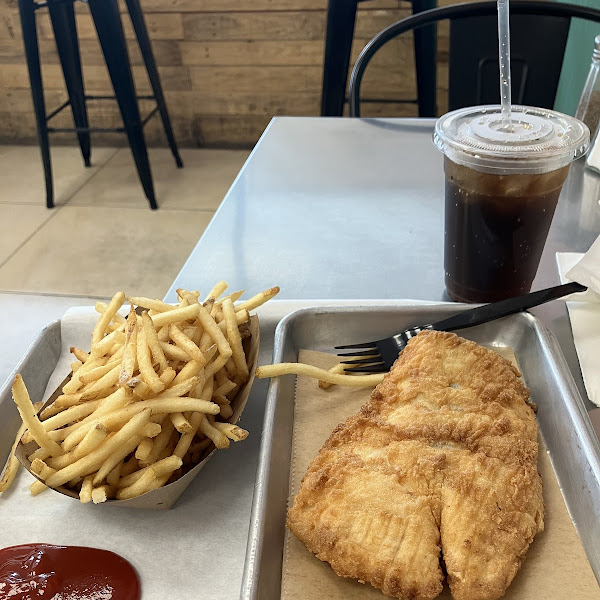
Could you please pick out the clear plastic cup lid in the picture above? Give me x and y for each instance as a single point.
(540, 140)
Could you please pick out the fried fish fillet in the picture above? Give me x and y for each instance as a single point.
(440, 466)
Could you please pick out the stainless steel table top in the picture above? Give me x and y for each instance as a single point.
(335, 208)
(331, 208)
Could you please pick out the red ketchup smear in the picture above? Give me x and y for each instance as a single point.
(45, 572)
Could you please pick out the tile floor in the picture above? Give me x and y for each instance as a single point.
(101, 237)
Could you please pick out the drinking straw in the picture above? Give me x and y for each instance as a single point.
(504, 51)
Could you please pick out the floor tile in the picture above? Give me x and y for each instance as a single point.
(22, 317)
(201, 185)
(96, 251)
(19, 222)
(22, 175)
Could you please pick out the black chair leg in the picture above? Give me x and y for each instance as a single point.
(425, 40)
(62, 16)
(27, 13)
(341, 17)
(139, 26)
(107, 20)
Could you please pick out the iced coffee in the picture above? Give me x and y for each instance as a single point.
(501, 192)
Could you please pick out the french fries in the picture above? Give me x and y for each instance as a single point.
(340, 368)
(12, 464)
(27, 412)
(148, 401)
(321, 374)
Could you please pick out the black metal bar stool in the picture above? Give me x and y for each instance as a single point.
(107, 20)
(341, 17)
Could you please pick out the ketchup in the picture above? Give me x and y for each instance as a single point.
(45, 572)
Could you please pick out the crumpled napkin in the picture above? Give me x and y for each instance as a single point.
(584, 312)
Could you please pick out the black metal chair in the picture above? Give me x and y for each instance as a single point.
(107, 20)
(341, 17)
(539, 31)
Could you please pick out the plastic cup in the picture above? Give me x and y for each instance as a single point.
(502, 188)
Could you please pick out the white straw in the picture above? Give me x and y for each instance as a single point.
(504, 51)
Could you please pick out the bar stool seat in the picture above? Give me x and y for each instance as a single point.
(109, 27)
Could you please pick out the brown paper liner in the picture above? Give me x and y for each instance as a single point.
(555, 567)
(166, 496)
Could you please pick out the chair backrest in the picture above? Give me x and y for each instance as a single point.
(539, 31)
(537, 49)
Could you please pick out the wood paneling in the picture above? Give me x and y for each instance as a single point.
(226, 66)
(287, 26)
(250, 79)
(166, 52)
(9, 25)
(265, 104)
(212, 130)
(199, 6)
(160, 26)
(95, 78)
(252, 53)
(284, 26)
(292, 53)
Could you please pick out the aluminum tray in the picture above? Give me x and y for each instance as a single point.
(36, 367)
(563, 422)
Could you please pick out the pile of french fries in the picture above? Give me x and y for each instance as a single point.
(147, 402)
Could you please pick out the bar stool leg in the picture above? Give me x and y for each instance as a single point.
(137, 19)
(62, 16)
(341, 17)
(425, 42)
(107, 20)
(30, 41)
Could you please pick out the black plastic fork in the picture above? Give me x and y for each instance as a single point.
(379, 356)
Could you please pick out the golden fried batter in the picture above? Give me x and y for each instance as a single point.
(439, 465)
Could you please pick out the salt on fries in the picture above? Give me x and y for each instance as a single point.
(147, 402)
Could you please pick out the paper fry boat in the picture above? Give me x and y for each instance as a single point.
(166, 496)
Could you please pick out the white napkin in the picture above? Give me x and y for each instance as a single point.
(587, 272)
(584, 312)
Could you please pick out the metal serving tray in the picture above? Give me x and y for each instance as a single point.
(36, 367)
(563, 422)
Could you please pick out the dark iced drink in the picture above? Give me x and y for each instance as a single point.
(502, 188)
(495, 230)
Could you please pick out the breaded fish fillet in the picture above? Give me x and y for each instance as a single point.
(439, 465)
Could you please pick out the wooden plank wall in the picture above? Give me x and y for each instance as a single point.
(227, 66)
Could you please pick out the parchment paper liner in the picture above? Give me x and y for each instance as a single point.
(555, 567)
(166, 496)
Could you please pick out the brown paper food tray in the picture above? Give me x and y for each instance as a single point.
(166, 496)
(555, 566)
